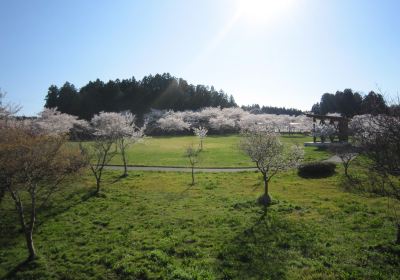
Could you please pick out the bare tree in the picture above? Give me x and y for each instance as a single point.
(32, 166)
(270, 156)
(192, 154)
(98, 153)
(346, 152)
(379, 138)
(7, 110)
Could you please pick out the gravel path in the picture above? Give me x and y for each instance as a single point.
(334, 159)
(180, 169)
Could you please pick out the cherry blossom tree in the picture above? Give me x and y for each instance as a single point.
(51, 121)
(173, 122)
(220, 120)
(7, 110)
(7, 121)
(34, 159)
(103, 148)
(279, 123)
(113, 133)
(126, 134)
(200, 132)
(32, 166)
(379, 140)
(270, 156)
(220, 124)
(323, 131)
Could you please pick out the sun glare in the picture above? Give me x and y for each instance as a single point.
(262, 11)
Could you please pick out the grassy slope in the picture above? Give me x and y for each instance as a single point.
(152, 226)
(219, 151)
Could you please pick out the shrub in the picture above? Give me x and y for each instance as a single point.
(316, 169)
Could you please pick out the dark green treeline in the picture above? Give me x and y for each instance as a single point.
(349, 103)
(138, 96)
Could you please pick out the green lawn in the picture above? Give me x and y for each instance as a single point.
(218, 151)
(152, 225)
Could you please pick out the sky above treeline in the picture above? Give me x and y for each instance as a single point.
(277, 53)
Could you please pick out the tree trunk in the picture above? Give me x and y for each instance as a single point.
(28, 231)
(265, 199)
(98, 181)
(122, 148)
(125, 167)
(192, 175)
(2, 193)
(29, 244)
(398, 234)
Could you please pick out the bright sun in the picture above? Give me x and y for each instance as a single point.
(262, 11)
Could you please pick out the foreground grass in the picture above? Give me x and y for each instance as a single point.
(152, 225)
(219, 151)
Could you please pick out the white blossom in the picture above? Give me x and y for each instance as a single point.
(116, 125)
(54, 122)
(173, 122)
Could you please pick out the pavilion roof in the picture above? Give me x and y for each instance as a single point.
(323, 117)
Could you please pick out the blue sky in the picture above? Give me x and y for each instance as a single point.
(279, 53)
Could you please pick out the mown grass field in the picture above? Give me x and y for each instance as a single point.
(153, 225)
(218, 151)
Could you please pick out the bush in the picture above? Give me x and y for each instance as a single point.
(316, 169)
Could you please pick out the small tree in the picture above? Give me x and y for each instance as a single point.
(34, 164)
(200, 132)
(125, 133)
(103, 148)
(192, 154)
(269, 155)
(346, 153)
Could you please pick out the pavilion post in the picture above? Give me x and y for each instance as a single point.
(314, 137)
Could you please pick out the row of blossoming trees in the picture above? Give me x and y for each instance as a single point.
(220, 121)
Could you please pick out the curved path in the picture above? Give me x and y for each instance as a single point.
(334, 159)
(180, 169)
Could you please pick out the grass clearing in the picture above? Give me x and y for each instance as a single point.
(218, 151)
(152, 225)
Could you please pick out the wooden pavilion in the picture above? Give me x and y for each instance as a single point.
(341, 125)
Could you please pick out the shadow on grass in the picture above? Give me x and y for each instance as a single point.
(321, 149)
(355, 183)
(20, 268)
(44, 212)
(264, 250)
